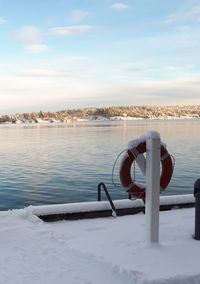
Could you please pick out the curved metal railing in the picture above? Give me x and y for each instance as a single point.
(102, 185)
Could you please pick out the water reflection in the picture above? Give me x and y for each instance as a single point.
(58, 163)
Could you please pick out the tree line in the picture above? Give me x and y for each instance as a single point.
(145, 112)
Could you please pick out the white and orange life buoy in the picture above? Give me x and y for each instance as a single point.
(129, 184)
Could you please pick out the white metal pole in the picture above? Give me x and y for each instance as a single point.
(152, 186)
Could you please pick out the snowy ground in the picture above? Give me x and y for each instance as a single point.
(98, 251)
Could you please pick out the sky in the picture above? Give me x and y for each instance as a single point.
(61, 54)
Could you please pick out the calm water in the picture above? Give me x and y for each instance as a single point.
(58, 163)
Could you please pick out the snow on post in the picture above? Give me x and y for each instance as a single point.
(152, 186)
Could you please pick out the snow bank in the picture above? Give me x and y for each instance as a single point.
(103, 250)
(104, 205)
(177, 199)
(83, 207)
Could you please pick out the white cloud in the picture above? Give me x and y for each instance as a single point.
(70, 30)
(32, 93)
(195, 10)
(170, 19)
(78, 15)
(2, 21)
(187, 13)
(30, 38)
(36, 48)
(184, 28)
(34, 73)
(28, 35)
(35, 93)
(119, 6)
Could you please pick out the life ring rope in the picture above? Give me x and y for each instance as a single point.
(114, 165)
(135, 152)
(165, 156)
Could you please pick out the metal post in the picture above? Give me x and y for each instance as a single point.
(197, 209)
(152, 186)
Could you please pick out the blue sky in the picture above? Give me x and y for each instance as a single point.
(57, 54)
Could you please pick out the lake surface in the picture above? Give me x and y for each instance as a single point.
(61, 163)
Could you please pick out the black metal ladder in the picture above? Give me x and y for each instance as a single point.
(102, 185)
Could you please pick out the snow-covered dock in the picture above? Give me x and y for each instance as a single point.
(83, 210)
(103, 250)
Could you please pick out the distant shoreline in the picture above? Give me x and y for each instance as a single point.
(106, 114)
(49, 122)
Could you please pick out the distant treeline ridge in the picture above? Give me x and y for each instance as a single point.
(145, 112)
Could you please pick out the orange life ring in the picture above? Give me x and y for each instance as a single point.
(138, 190)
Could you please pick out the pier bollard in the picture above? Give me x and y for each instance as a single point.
(197, 209)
